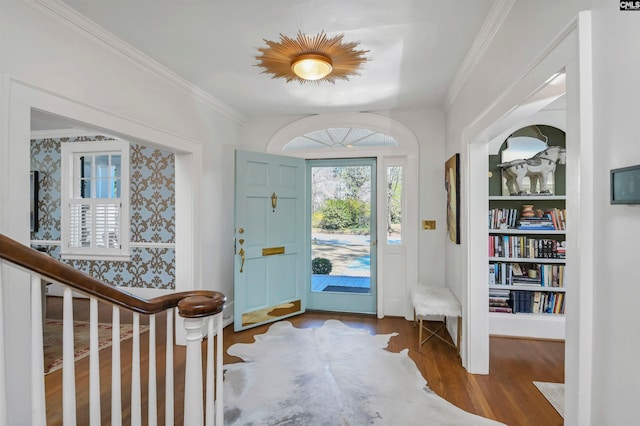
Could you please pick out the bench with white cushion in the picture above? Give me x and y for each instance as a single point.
(434, 300)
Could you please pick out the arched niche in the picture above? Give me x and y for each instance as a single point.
(524, 143)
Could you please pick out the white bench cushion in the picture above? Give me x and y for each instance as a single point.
(435, 300)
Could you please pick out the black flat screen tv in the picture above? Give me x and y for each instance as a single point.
(625, 185)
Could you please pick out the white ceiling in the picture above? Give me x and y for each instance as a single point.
(417, 47)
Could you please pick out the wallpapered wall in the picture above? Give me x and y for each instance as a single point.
(152, 214)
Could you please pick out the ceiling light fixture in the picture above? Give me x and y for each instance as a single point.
(314, 59)
(311, 67)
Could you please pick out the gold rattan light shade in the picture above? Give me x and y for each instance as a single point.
(279, 57)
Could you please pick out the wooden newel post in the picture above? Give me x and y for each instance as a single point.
(197, 309)
(193, 409)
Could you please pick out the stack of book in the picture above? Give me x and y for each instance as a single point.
(520, 276)
(499, 301)
(536, 223)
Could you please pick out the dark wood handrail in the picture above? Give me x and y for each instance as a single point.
(191, 304)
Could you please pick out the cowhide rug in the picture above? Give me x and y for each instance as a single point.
(332, 375)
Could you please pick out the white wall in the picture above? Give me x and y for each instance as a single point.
(616, 94)
(41, 51)
(528, 32)
(529, 29)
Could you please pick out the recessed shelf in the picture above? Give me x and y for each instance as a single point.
(527, 197)
(527, 232)
(526, 260)
(529, 288)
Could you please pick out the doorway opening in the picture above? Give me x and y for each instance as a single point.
(343, 235)
(395, 148)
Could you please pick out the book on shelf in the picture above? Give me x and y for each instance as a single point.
(553, 219)
(499, 301)
(526, 247)
(502, 218)
(536, 223)
(506, 310)
(499, 293)
(510, 274)
(518, 280)
(552, 275)
(537, 302)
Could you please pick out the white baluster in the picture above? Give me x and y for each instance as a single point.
(210, 401)
(193, 411)
(38, 401)
(219, 372)
(3, 381)
(94, 364)
(136, 393)
(116, 381)
(168, 398)
(152, 394)
(68, 360)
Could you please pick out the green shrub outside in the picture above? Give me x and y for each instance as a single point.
(321, 266)
(316, 218)
(343, 214)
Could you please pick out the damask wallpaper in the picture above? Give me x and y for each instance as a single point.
(152, 214)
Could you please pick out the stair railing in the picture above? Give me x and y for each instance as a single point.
(202, 313)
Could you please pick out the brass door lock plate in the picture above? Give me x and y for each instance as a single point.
(429, 224)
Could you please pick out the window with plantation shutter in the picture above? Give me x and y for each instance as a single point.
(95, 200)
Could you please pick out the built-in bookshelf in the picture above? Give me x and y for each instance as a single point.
(527, 252)
(527, 292)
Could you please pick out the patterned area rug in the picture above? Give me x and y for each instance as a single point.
(52, 339)
(331, 375)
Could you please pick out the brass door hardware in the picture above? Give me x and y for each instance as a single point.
(429, 224)
(241, 253)
(270, 251)
(274, 201)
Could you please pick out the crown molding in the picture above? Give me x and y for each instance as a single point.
(494, 20)
(67, 133)
(81, 24)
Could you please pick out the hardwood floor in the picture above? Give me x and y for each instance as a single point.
(507, 394)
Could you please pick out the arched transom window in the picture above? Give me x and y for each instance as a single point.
(340, 138)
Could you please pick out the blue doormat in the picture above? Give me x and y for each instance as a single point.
(346, 289)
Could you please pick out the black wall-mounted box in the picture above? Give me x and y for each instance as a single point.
(625, 185)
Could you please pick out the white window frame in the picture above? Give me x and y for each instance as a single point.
(69, 175)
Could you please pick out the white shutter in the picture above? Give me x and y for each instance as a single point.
(108, 225)
(80, 229)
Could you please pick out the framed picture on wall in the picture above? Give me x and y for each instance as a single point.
(452, 185)
(33, 196)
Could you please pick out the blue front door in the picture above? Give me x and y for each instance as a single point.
(270, 239)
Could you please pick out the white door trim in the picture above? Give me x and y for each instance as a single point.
(570, 50)
(398, 302)
(22, 97)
